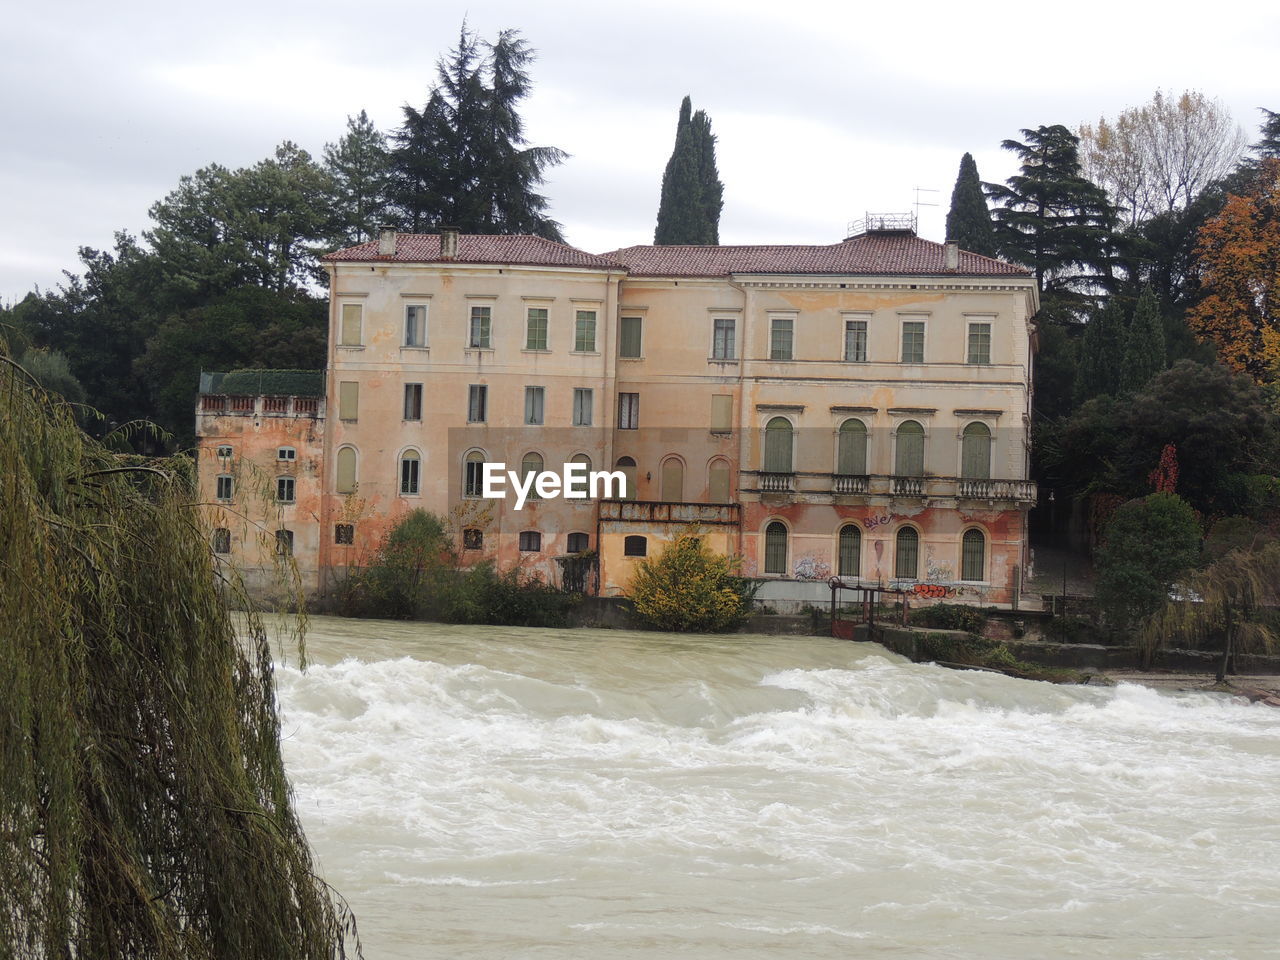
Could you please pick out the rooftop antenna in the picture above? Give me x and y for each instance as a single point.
(923, 203)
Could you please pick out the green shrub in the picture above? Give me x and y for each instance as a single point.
(950, 616)
(416, 575)
(689, 588)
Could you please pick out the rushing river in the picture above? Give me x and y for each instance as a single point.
(512, 793)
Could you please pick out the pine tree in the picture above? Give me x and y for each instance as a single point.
(1144, 349)
(463, 159)
(969, 220)
(1101, 350)
(1268, 144)
(359, 166)
(1053, 221)
(692, 194)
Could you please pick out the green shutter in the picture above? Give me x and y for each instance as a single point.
(777, 446)
(851, 459)
(975, 452)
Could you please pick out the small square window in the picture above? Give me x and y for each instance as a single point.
(578, 542)
(635, 547)
(344, 533)
(224, 452)
(472, 539)
(530, 541)
(284, 489)
(286, 453)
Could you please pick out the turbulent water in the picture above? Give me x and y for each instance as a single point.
(511, 793)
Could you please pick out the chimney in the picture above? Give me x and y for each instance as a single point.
(952, 255)
(386, 241)
(448, 243)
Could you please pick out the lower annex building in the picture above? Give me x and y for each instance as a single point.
(858, 409)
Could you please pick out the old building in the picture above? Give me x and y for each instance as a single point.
(858, 409)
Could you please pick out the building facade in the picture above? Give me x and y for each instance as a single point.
(859, 409)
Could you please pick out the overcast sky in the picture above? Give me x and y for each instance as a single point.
(823, 110)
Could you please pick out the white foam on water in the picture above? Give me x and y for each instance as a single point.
(508, 793)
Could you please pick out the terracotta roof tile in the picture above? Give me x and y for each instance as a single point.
(874, 254)
(517, 249)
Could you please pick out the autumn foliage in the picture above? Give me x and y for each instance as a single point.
(1239, 256)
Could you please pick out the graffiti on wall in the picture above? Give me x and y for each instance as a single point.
(812, 568)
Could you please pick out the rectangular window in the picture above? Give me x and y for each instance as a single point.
(628, 411)
(286, 453)
(913, 341)
(722, 413)
(723, 346)
(536, 329)
(226, 487)
(533, 399)
(348, 400)
(413, 401)
(415, 325)
(284, 489)
(781, 331)
(410, 472)
(472, 539)
(530, 541)
(473, 481)
(221, 540)
(224, 453)
(284, 543)
(629, 342)
(855, 341)
(344, 533)
(979, 343)
(481, 327)
(352, 321)
(583, 401)
(584, 332)
(477, 402)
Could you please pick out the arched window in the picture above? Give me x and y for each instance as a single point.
(473, 474)
(410, 473)
(775, 548)
(849, 560)
(973, 556)
(672, 480)
(346, 470)
(975, 452)
(718, 481)
(909, 457)
(531, 465)
(851, 453)
(582, 485)
(777, 445)
(628, 468)
(635, 546)
(906, 565)
(578, 543)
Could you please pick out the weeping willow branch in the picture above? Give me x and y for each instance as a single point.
(1222, 601)
(144, 807)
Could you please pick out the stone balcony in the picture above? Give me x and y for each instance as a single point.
(809, 485)
(241, 405)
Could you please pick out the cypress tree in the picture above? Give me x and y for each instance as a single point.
(692, 194)
(1101, 350)
(969, 220)
(1144, 349)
